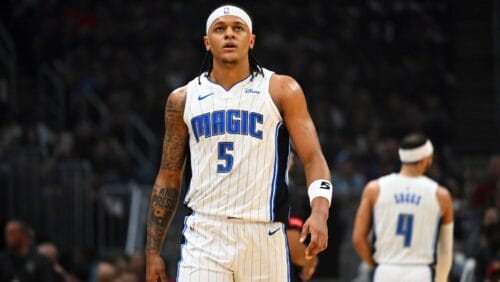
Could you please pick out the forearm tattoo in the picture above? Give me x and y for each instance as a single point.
(164, 198)
(162, 208)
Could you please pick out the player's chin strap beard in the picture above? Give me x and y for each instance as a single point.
(255, 68)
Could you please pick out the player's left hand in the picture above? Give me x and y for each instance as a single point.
(317, 226)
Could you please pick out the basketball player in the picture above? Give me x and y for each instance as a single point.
(409, 215)
(302, 268)
(235, 120)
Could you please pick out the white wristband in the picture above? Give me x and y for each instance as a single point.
(320, 188)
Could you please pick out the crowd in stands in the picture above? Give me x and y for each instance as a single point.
(371, 71)
(25, 260)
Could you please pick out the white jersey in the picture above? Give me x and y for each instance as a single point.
(406, 219)
(239, 150)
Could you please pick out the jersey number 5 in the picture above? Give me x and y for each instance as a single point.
(405, 227)
(223, 148)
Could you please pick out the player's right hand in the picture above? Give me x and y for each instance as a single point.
(317, 226)
(155, 269)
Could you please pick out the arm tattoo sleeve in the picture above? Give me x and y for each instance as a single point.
(164, 197)
(162, 208)
(176, 136)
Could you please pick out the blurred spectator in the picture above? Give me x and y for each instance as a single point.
(385, 159)
(82, 264)
(106, 272)
(49, 250)
(489, 248)
(85, 137)
(483, 193)
(349, 182)
(493, 272)
(137, 265)
(111, 161)
(127, 276)
(349, 185)
(10, 129)
(64, 150)
(437, 123)
(21, 262)
(121, 263)
(81, 15)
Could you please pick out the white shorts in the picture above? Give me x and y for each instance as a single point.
(226, 250)
(403, 273)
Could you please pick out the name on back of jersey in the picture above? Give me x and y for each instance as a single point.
(227, 121)
(407, 198)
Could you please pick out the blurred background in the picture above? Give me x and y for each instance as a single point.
(83, 85)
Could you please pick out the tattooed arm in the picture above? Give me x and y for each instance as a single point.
(166, 190)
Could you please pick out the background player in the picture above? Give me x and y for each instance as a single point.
(303, 269)
(406, 211)
(236, 120)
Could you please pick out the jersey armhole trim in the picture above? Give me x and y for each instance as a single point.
(270, 97)
(187, 104)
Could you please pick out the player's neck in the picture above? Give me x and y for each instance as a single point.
(228, 75)
(411, 170)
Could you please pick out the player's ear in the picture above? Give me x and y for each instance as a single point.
(252, 41)
(422, 163)
(205, 42)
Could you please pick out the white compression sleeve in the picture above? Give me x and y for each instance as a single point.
(444, 252)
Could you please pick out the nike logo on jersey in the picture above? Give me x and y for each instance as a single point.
(205, 96)
(272, 232)
(325, 185)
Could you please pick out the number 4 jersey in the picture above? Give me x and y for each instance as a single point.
(239, 150)
(406, 219)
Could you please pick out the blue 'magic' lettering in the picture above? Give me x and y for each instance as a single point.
(244, 122)
(218, 123)
(201, 126)
(233, 124)
(254, 119)
(230, 122)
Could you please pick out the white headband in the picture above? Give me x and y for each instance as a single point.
(229, 10)
(416, 154)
